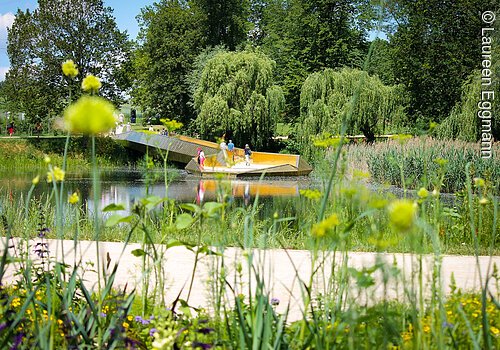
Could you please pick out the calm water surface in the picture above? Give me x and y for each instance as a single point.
(128, 186)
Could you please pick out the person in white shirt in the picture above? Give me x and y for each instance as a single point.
(223, 148)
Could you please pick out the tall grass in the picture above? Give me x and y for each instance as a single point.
(416, 159)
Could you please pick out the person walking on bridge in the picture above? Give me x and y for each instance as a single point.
(230, 149)
(248, 153)
(223, 148)
(201, 158)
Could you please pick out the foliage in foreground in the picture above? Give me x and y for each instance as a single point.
(74, 323)
(47, 303)
(50, 305)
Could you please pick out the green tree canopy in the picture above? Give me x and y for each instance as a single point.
(236, 96)
(225, 21)
(436, 46)
(171, 37)
(380, 63)
(326, 98)
(304, 36)
(463, 123)
(39, 41)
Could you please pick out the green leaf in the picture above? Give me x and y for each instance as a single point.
(150, 202)
(191, 207)
(210, 208)
(185, 308)
(138, 252)
(206, 250)
(176, 243)
(117, 218)
(113, 207)
(183, 221)
(363, 278)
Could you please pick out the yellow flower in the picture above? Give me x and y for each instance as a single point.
(74, 198)
(35, 180)
(58, 174)
(349, 191)
(407, 336)
(49, 177)
(46, 159)
(125, 325)
(91, 83)
(90, 115)
(423, 193)
(377, 203)
(321, 229)
(402, 214)
(171, 124)
(478, 182)
(69, 69)
(311, 194)
(495, 331)
(484, 201)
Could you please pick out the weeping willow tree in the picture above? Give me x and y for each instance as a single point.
(236, 96)
(462, 123)
(326, 97)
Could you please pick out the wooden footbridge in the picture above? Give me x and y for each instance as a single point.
(183, 149)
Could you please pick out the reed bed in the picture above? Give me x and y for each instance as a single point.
(411, 162)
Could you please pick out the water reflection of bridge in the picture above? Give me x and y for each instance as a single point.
(201, 190)
(183, 149)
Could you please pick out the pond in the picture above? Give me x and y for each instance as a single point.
(128, 186)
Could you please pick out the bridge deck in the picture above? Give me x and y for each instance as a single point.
(183, 149)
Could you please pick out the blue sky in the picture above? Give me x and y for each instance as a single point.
(125, 12)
